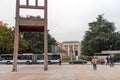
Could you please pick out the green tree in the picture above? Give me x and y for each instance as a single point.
(6, 40)
(24, 45)
(51, 41)
(36, 42)
(100, 36)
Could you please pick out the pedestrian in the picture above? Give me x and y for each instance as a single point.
(111, 61)
(107, 60)
(94, 62)
(60, 60)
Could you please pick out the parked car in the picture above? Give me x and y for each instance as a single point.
(100, 61)
(78, 62)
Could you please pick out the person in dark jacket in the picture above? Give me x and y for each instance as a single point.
(107, 60)
(60, 60)
(111, 61)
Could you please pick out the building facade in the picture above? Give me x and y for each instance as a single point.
(69, 48)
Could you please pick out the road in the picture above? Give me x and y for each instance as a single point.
(63, 72)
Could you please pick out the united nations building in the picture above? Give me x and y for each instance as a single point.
(68, 48)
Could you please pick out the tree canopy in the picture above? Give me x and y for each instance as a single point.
(100, 36)
(32, 42)
(36, 42)
(6, 40)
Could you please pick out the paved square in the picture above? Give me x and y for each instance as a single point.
(63, 72)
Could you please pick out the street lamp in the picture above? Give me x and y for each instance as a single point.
(71, 52)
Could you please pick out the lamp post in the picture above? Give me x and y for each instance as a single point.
(71, 53)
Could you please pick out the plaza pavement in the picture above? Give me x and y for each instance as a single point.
(63, 72)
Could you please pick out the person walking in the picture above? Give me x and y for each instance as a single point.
(111, 61)
(60, 60)
(107, 60)
(94, 62)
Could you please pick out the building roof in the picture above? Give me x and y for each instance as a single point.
(71, 42)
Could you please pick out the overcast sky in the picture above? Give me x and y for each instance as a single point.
(68, 19)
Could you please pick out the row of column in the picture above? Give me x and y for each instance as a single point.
(71, 49)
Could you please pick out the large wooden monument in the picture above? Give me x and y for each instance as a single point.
(28, 24)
